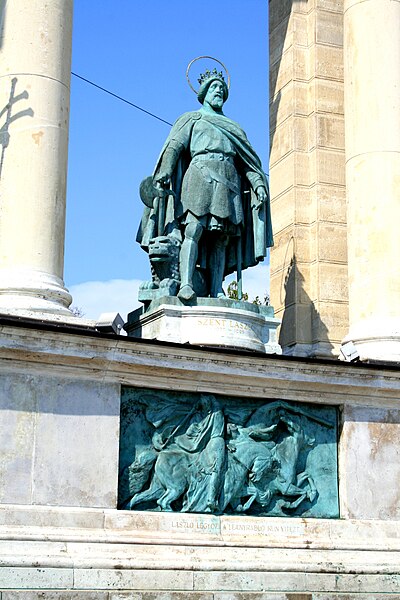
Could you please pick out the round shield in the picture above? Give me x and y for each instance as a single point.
(147, 192)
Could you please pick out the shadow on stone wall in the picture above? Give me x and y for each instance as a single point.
(38, 394)
(300, 313)
(302, 326)
(284, 8)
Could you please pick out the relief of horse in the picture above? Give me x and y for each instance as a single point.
(260, 471)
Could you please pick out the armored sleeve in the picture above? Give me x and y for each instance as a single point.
(177, 141)
(254, 178)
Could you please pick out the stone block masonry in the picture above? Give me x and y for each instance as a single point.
(307, 176)
(61, 532)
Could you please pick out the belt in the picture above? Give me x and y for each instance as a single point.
(213, 156)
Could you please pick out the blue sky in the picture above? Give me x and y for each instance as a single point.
(140, 51)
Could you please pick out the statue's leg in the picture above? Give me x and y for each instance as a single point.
(214, 459)
(253, 496)
(217, 266)
(212, 497)
(188, 258)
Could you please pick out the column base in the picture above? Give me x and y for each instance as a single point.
(376, 340)
(317, 350)
(34, 294)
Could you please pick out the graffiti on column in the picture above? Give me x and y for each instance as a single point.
(9, 116)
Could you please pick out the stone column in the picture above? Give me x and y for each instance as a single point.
(307, 167)
(372, 109)
(35, 66)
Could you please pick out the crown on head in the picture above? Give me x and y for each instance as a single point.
(210, 75)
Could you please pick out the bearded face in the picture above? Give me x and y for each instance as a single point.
(215, 95)
(207, 91)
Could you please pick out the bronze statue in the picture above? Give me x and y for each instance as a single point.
(209, 193)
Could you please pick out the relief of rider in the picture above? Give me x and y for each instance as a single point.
(197, 435)
(220, 207)
(204, 440)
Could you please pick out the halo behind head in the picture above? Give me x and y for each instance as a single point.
(208, 77)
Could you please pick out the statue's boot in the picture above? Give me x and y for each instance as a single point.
(217, 267)
(186, 293)
(187, 263)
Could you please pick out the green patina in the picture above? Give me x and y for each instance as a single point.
(204, 453)
(206, 206)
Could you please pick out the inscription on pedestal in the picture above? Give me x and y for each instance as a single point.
(198, 526)
(261, 528)
(225, 324)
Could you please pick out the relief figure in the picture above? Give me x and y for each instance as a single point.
(190, 460)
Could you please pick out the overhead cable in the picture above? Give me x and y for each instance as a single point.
(120, 98)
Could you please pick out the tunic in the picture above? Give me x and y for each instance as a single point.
(215, 179)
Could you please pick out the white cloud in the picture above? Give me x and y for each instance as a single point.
(96, 297)
(120, 295)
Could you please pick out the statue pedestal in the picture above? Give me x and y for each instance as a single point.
(211, 322)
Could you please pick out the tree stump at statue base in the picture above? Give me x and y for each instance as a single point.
(219, 322)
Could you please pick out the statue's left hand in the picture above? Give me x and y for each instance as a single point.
(261, 196)
(162, 179)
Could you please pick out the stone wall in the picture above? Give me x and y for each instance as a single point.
(307, 175)
(59, 439)
(102, 595)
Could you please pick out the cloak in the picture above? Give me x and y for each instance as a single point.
(256, 230)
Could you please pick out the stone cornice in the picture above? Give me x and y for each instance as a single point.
(85, 355)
